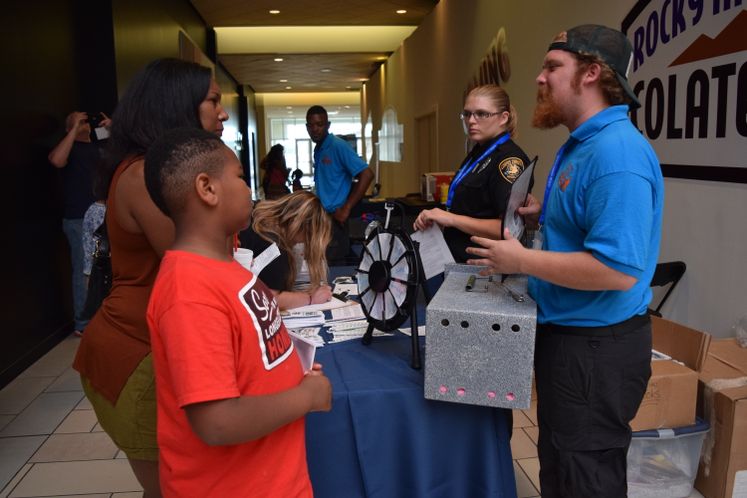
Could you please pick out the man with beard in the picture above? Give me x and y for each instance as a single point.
(591, 266)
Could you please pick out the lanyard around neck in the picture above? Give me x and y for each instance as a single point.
(551, 180)
(467, 169)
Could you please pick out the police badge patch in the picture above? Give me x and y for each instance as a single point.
(511, 168)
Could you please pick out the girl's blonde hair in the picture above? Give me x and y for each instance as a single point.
(499, 97)
(293, 217)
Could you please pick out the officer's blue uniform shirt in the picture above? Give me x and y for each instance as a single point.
(607, 199)
(335, 166)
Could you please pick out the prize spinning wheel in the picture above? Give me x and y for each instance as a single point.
(389, 274)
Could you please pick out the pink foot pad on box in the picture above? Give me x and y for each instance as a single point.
(460, 391)
(443, 389)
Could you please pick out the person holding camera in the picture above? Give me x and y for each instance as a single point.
(77, 156)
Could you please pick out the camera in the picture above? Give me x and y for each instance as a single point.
(98, 132)
(94, 119)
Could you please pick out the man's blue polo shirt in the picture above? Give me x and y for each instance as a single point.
(607, 200)
(335, 166)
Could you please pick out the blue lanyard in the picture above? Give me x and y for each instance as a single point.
(467, 169)
(551, 180)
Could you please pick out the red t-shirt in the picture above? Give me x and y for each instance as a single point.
(216, 333)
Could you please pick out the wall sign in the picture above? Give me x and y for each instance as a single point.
(689, 71)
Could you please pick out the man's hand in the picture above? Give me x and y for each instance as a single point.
(78, 120)
(106, 121)
(531, 212)
(341, 214)
(500, 256)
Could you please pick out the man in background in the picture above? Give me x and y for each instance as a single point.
(340, 175)
(77, 156)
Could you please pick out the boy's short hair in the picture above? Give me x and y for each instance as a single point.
(174, 161)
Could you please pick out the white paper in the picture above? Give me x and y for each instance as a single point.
(740, 485)
(305, 349)
(434, 253)
(265, 258)
(311, 334)
(302, 319)
(353, 312)
(351, 289)
(408, 330)
(355, 334)
(351, 325)
(512, 219)
(329, 305)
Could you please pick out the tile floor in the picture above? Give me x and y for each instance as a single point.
(52, 446)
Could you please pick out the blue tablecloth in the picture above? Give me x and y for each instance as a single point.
(382, 439)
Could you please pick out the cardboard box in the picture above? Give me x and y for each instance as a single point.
(723, 402)
(430, 185)
(671, 395)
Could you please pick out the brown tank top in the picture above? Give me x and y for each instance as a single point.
(117, 338)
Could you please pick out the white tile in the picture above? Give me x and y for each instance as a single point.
(68, 381)
(531, 468)
(84, 405)
(5, 420)
(21, 392)
(524, 487)
(16, 479)
(138, 494)
(72, 447)
(77, 478)
(56, 361)
(121, 454)
(43, 415)
(97, 428)
(521, 420)
(97, 495)
(695, 494)
(522, 446)
(78, 421)
(14, 453)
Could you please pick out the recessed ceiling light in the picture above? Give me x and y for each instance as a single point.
(274, 12)
(348, 87)
(363, 79)
(347, 107)
(278, 59)
(288, 107)
(283, 81)
(400, 11)
(326, 70)
(288, 87)
(290, 112)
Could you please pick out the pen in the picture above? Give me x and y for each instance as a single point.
(342, 296)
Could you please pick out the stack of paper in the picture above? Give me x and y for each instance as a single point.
(311, 334)
(346, 313)
(301, 319)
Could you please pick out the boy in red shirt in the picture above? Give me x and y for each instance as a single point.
(231, 390)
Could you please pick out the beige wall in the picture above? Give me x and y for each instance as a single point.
(703, 220)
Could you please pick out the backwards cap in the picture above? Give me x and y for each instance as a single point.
(606, 43)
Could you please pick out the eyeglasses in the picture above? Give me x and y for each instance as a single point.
(479, 115)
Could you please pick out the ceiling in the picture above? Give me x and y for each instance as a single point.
(325, 45)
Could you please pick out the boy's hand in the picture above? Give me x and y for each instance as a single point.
(319, 388)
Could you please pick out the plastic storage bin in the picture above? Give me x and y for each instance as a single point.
(664, 462)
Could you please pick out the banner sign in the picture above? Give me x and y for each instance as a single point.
(689, 71)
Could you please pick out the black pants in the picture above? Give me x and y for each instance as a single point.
(339, 246)
(590, 382)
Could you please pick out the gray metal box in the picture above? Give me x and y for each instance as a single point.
(480, 344)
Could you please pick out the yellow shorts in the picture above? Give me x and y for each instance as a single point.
(131, 422)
